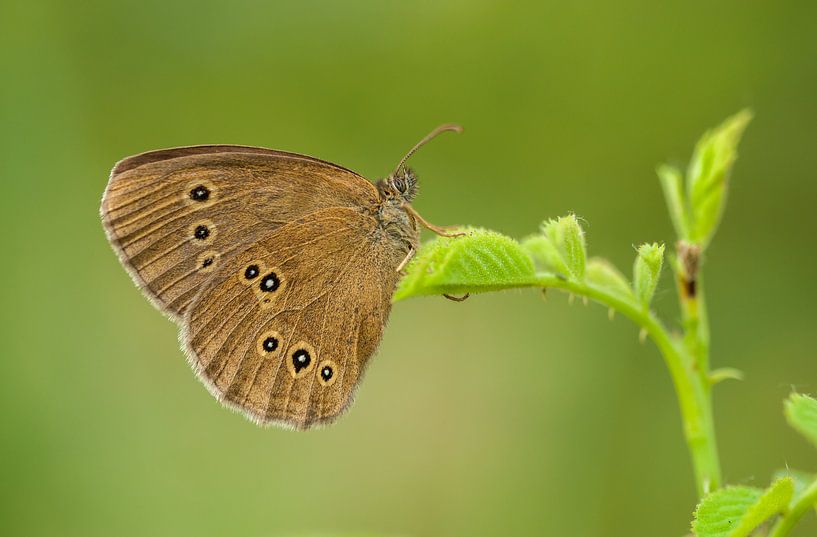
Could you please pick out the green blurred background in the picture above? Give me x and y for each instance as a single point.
(503, 415)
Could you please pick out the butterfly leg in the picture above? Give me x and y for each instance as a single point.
(405, 261)
(457, 298)
(441, 231)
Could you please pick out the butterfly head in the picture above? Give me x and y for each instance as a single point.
(400, 186)
(397, 192)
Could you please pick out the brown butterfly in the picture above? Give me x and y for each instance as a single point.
(278, 267)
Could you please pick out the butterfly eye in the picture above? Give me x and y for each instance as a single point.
(200, 193)
(326, 373)
(399, 185)
(270, 283)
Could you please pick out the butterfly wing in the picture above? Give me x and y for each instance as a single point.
(175, 215)
(285, 328)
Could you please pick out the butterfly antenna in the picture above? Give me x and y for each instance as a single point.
(430, 136)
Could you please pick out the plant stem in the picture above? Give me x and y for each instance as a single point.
(691, 387)
(806, 500)
(690, 287)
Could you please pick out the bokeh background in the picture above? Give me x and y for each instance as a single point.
(502, 415)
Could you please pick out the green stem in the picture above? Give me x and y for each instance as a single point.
(806, 500)
(691, 388)
(690, 288)
(696, 325)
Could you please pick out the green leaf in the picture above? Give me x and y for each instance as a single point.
(560, 248)
(801, 481)
(479, 262)
(737, 511)
(545, 254)
(708, 175)
(672, 182)
(568, 235)
(801, 413)
(647, 271)
(725, 373)
(604, 275)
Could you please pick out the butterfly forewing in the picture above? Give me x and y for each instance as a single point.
(175, 216)
(284, 329)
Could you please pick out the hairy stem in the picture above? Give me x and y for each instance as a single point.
(691, 387)
(806, 500)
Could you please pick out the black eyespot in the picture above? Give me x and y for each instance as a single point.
(270, 344)
(269, 283)
(251, 272)
(200, 193)
(300, 360)
(207, 262)
(201, 232)
(326, 373)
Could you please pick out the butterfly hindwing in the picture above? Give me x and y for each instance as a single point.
(284, 329)
(174, 216)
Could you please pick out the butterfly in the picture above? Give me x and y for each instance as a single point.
(278, 267)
